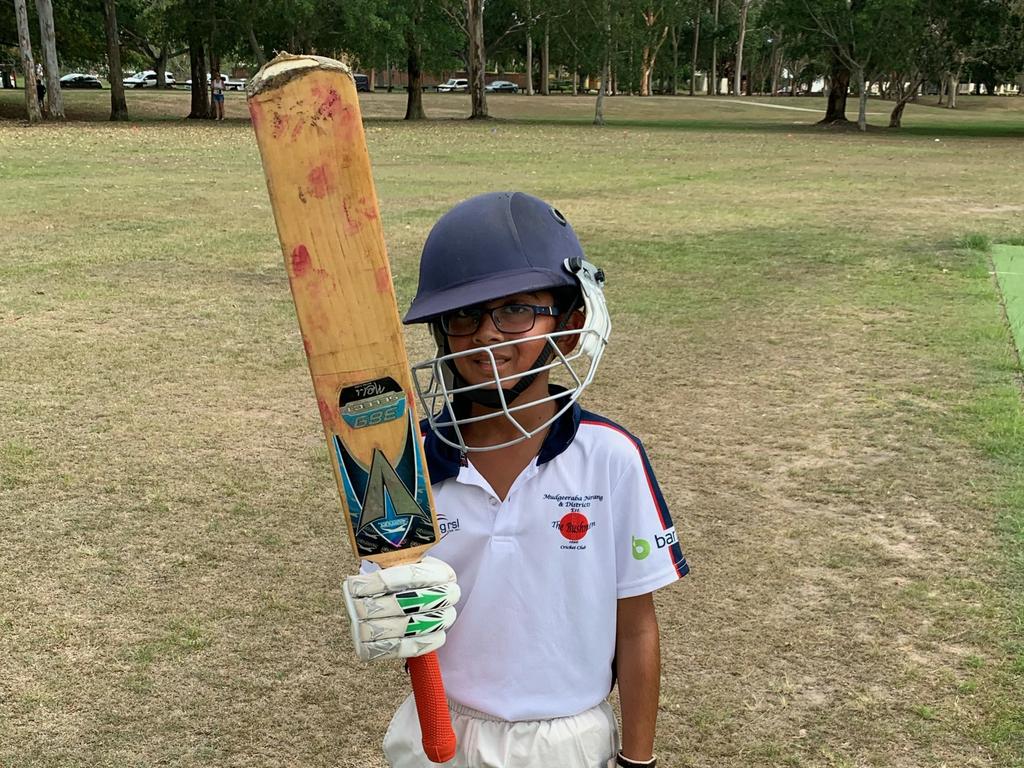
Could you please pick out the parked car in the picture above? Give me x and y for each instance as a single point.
(454, 85)
(502, 86)
(362, 83)
(230, 84)
(79, 80)
(146, 79)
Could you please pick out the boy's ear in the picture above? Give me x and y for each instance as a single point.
(568, 343)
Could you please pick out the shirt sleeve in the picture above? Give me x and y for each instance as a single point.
(647, 551)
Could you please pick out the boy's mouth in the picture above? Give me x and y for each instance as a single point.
(483, 363)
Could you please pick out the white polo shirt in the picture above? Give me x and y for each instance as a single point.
(584, 525)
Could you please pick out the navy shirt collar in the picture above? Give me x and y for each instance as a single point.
(444, 461)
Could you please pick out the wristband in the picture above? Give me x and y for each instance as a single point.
(625, 762)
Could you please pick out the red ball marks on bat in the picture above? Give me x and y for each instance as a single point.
(574, 526)
(329, 102)
(383, 280)
(280, 125)
(352, 225)
(319, 181)
(256, 113)
(300, 260)
(325, 410)
(367, 209)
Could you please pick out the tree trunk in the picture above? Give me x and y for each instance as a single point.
(545, 63)
(954, 90)
(200, 95)
(118, 105)
(606, 73)
(257, 49)
(529, 64)
(649, 50)
(477, 59)
(738, 74)
(414, 100)
(862, 102)
(675, 61)
(776, 64)
(160, 67)
(5, 80)
(28, 66)
(48, 42)
(713, 85)
(904, 92)
(840, 85)
(693, 57)
(529, 48)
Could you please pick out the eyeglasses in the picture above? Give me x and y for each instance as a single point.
(511, 318)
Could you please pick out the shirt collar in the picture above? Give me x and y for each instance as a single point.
(444, 461)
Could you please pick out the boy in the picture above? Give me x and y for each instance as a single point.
(551, 517)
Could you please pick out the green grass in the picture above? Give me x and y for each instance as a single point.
(807, 336)
(1009, 265)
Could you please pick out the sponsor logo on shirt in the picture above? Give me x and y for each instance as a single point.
(642, 547)
(447, 526)
(574, 526)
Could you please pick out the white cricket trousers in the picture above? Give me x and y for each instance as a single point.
(587, 740)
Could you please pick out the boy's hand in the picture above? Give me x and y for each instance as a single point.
(401, 611)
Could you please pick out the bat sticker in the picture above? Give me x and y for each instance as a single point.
(372, 403)
(388, 503)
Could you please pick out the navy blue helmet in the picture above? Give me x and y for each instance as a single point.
(491, 246)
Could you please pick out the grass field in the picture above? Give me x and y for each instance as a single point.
(805, 336)
(1009, 263)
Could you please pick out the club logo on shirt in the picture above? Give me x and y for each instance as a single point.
(573, 526)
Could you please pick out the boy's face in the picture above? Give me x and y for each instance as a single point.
(514, 358)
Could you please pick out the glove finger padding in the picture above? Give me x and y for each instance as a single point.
(404, 603)
(416, 625)
(400, 649)
(428, 572)
(401, 611)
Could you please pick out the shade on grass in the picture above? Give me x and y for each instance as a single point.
(1009, 264)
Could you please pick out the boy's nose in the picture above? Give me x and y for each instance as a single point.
(487, 330)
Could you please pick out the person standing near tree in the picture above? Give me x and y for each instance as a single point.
(40, 87)
(217, 89)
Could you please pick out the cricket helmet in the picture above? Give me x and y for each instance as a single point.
(485, 248)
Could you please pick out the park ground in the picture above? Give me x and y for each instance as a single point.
(808, 336)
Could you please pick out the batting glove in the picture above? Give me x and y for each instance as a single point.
(401, 611)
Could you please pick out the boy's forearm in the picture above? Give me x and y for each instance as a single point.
(638, 657)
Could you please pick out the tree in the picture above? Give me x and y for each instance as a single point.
(48, 42)
(738, 74)
(118, 105)
(28, 66)
(477, 59)
(654, 31)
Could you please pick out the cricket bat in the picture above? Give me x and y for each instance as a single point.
(305, 112)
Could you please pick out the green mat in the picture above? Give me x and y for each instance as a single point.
(1009, 263)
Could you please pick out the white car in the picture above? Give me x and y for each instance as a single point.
(146, 79)
(230, 84)
(454, 85)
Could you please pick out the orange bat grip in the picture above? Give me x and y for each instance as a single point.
(432, 708)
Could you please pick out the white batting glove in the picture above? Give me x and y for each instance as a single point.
(401, 611)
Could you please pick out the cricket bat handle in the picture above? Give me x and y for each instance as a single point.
(432, 708)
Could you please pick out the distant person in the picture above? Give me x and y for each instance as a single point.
(217, 87)
(40, 91)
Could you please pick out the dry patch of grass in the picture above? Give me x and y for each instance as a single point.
(819, 371)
